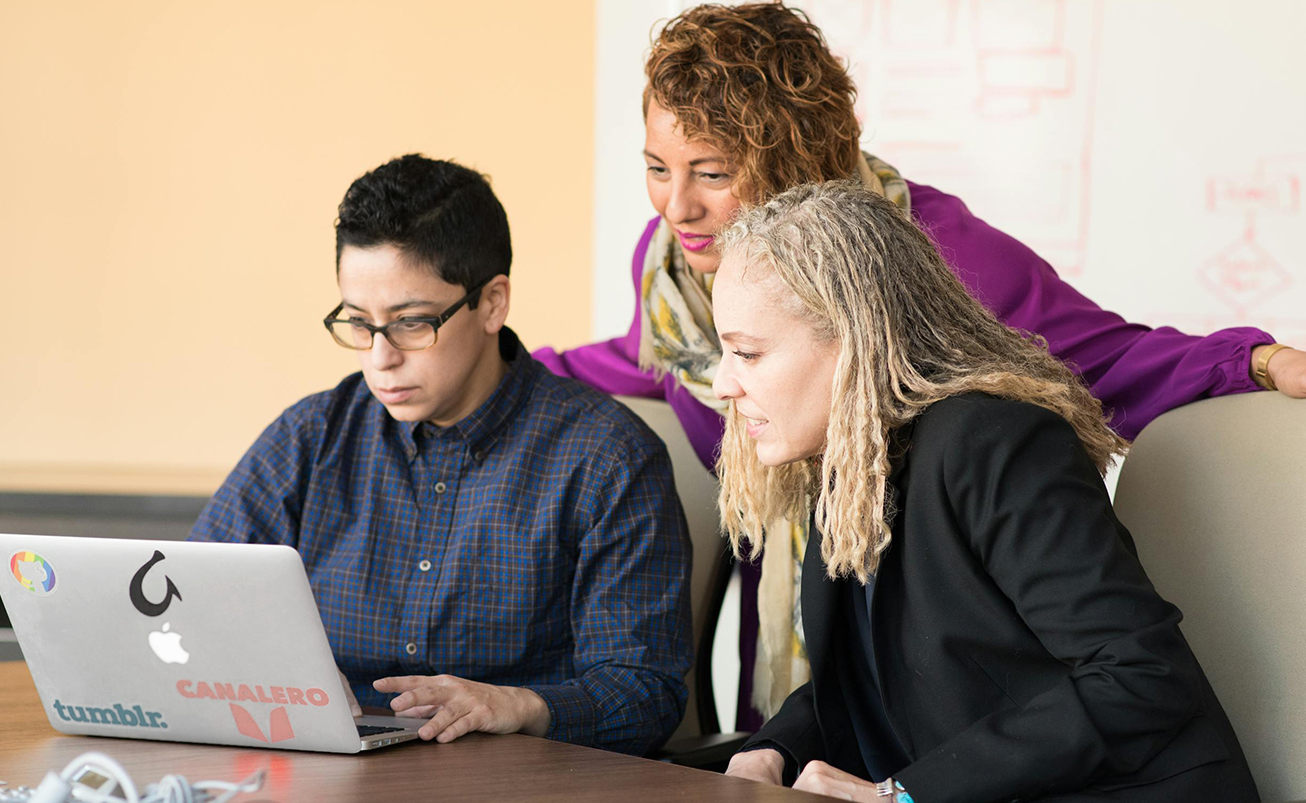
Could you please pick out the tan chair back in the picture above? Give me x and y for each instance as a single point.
(1214, 494)
(698, 492)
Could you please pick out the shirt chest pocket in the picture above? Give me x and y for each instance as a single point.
(511, 591)
(355, 611)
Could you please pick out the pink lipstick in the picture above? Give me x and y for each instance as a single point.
(695, 242)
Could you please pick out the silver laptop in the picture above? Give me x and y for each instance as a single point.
(181, 642)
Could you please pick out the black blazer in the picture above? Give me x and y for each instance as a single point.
(1021, 650)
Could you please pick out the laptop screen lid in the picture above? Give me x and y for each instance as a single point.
(175, 641)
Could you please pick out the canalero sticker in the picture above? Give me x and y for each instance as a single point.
(32, 572)
(247, 724)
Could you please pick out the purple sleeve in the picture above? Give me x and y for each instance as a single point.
(1138, 372)
(612, 366)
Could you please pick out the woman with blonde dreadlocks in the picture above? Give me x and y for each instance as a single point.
(978, 623)
(744, 102)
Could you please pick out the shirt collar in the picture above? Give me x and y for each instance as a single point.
(483, 426)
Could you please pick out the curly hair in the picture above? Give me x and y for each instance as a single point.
(758, 82)
(908, 335)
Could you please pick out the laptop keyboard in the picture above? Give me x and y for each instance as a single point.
(372, 730)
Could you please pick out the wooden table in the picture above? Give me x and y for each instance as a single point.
(476, 767)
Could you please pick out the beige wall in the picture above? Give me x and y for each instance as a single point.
(169, 178)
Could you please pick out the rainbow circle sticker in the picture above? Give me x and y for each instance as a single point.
(32, 572)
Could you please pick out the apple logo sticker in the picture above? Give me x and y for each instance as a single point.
(167, 645)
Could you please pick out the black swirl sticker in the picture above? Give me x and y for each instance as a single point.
(138, 596)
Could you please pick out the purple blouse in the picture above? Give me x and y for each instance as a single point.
(1138, 372)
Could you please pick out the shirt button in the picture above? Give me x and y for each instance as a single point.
(410, 648)
(425, 565)
(479, 456)
(439, 487)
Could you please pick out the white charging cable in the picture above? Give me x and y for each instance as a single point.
(95, 778)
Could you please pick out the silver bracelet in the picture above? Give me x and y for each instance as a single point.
(892, 789)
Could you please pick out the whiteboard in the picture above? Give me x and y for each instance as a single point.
(1151, 150)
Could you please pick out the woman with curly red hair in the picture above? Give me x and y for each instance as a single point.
(747, 101)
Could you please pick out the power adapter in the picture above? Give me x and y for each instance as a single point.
(95, 778)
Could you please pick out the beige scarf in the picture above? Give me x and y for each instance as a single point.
(677, 336)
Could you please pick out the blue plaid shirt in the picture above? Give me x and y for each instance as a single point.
(539, 543)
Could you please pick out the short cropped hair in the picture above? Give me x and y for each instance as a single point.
(438, 213)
